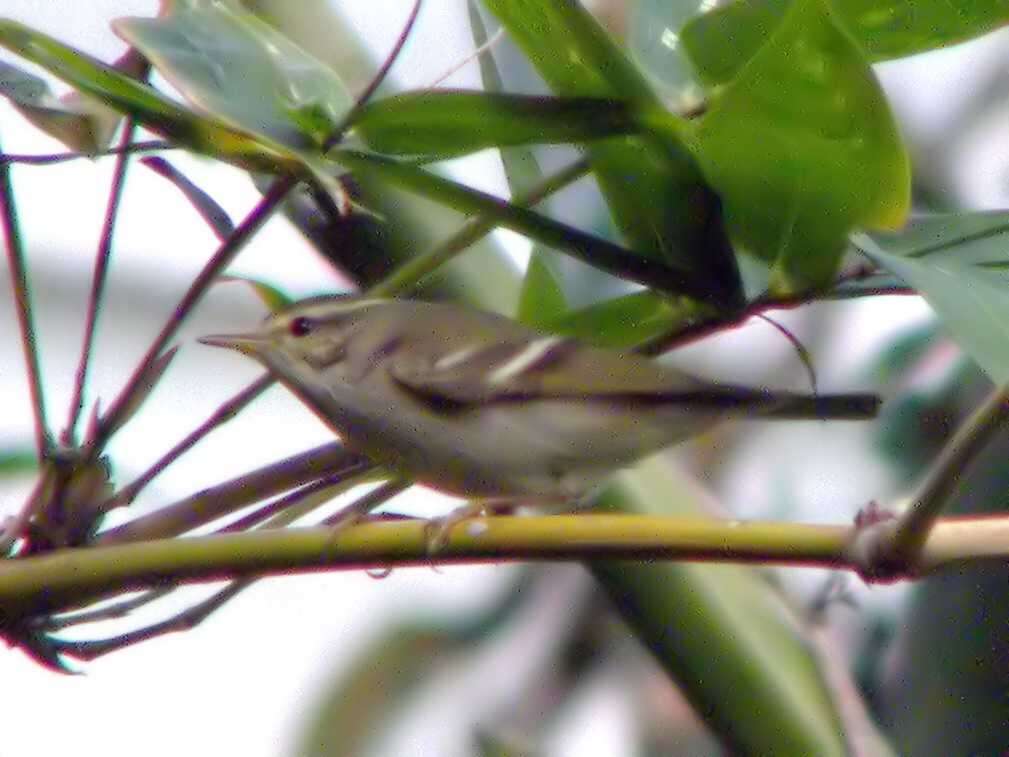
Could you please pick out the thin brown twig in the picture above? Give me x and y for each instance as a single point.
(98, 279)
(185, 620)
(220, 500)
(226, 253)
(316, 492)
(892, 547)
(49, 159)
(192, 616)
(225, 412)
(376, 81)
(706, 327)
(800, 349)
(22, 302)
(271, 200)
(414, 271)
(374, 499)
(118, 609)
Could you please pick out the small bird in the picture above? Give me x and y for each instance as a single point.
(477, 405)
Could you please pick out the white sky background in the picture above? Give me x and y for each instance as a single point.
(242, 683)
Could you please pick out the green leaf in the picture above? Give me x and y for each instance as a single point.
(724, 634)
(81, 124)
(541, 298)
(149, 107)
(624, 322)
(802, 147)
(654, 188)
(274, 299)
(447, 123)
(721, 41)
(954, 262)
(231, 65)
(586, 247)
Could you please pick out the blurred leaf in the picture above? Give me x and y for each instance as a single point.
(231, 65)
(447, 123)
(802, 148)
(149, 107)
(14, 462)
(653, 186)
(624, 322)
(914, 425)
(945, 677)
(541, 298)
(274, 299)
(216, 217)
(490, 744)
(722, 40)
(903, 352)
(586, 247)
(724, 634)
(944, 258)
(360, 703)
(81, 124)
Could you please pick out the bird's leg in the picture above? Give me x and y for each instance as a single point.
(438, 528)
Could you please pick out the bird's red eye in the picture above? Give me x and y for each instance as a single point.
(301, 326)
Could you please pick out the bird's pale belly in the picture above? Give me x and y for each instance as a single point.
(512, 451)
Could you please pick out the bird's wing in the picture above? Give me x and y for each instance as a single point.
(549, 367)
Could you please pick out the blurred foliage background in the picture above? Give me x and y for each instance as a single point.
(619, 658)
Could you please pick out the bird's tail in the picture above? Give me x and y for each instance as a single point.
(856, 406)
(769, 403)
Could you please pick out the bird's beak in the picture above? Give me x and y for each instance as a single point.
(249, 344)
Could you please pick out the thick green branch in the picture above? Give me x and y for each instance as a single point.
(72, 576)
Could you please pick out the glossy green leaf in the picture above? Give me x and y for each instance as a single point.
(366, 250)
(149, 107)
(653, 186)
(802, 147)
(721, 41)
(446, 123)
(956, 263)
(274, 298)
(653, 39)
(230, 64)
